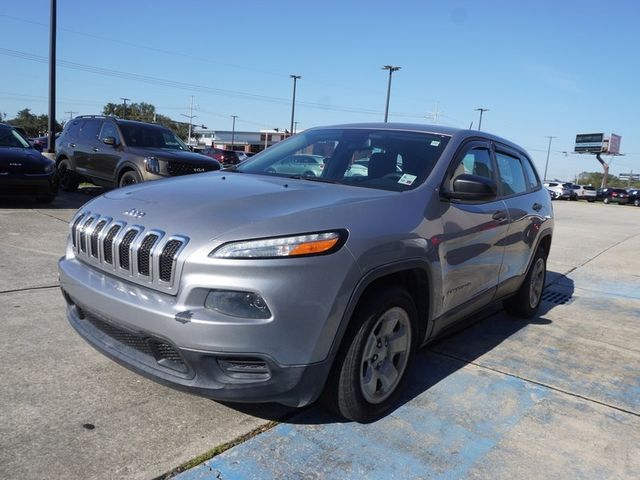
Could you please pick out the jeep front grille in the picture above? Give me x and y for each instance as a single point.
(145, 256)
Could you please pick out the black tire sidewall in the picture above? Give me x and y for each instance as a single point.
(518, 304)
(129, 174)
(350, 400)
(67, 180)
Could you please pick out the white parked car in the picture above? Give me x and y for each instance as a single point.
(558, 190)
(585, 192)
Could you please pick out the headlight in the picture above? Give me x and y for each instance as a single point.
(152, 164)
(294, 246)
(49, 168)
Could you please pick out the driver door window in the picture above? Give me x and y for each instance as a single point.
(109, 130)
(477, 161)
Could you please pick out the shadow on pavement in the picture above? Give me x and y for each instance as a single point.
(64, 200)
(472, 338)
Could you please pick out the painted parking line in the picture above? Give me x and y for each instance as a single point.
(458, 421)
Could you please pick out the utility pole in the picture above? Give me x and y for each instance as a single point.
(233, 131)
(435, 114)
(481, 110)
(546, 165)
(70, 112)
(295, 127)
(391, 69)
(124, 102)
(52, 78)
(293, 102)
(191, 116)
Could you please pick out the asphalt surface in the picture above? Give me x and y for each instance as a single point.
(555, 397)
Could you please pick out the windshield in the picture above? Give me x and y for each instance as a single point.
(151, 136)
(384, 159)
(10, 137)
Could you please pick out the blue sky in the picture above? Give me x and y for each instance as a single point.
(541, 68)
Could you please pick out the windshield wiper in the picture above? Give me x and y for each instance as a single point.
(313, 179)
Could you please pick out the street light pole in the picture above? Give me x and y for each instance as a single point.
(481, 110)
(52, 78)
(233, 130)
(293, 102)
(546, 165)
(391, 69)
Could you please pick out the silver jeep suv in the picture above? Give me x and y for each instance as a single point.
(251, 285)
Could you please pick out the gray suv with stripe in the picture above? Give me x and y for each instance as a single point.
(251, 285)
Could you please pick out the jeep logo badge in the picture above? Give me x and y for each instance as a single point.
(135, 213)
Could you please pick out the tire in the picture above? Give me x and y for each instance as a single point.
(69, 181)
(371, 368)
(606, 200)
(526, 301)
(591, 201)
(636, 202)
(129, 177)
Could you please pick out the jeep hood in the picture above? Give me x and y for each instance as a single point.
(210, 205)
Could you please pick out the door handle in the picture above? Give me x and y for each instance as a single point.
(537, 207)
(499, 216)
(96, 149)
(72, 145)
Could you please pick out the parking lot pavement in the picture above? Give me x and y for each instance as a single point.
(554, 397)
(66, 411)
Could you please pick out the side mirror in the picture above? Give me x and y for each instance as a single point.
(109, 141)
(472, 187)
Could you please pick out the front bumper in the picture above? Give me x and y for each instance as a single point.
(20, 184)
(143, 330)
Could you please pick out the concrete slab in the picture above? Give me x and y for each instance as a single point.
(54, 383)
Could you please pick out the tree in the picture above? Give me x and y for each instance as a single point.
(146, 112)
(34, 125)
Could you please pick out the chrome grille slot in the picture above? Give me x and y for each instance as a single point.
(83, 235)
(144, 254)
(94, 237)
(167, 259)
(74, 230)
(123, 250)
(108, 243)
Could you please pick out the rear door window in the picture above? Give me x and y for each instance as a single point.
(512, 177)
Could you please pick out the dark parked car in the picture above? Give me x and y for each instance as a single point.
(262, 286)
(225, 157)
(23, 169)
(634, 196)
(41, 143)
(613, 195)
(109, 151)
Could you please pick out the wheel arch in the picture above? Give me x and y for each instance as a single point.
(414, 276)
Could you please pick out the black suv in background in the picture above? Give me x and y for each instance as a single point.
(113, 152)
(613, 195)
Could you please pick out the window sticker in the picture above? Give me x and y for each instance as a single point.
(407, 179)
(435, 143)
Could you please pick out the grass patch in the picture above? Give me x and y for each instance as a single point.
(214, 452)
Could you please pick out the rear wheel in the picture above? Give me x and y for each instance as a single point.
(130, 177)
(606, 200)
(526, 302)
(636, 202)
(69, 181)
(371, 368)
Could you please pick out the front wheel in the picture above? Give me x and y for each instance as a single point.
(130, 177)
(371, 368)
(526, 302)
(606, 200)
(636, 202)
